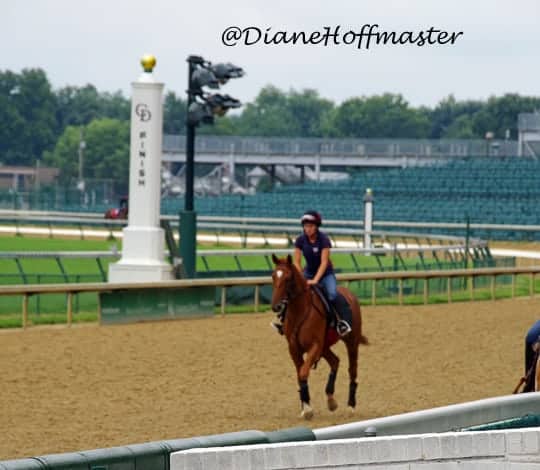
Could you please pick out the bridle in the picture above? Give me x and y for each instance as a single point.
(292, 292)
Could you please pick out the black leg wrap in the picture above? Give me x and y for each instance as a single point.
(304, 391)
(352, 394)
(331, 382)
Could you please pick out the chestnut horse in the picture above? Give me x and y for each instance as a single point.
(307, 333)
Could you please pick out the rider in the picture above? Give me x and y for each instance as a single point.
(533, 336)
(315, 246)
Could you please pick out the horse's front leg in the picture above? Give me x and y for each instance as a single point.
(333, 362)
(303, 374)
(298, 359)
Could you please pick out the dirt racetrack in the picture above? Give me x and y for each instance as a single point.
(89, 386)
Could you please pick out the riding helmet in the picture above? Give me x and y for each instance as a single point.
(312, 217)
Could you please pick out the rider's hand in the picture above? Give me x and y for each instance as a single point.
(312, 282)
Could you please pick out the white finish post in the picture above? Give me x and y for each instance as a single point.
(368, 218)
(144, 239)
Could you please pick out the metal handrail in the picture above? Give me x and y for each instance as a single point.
(81, 217)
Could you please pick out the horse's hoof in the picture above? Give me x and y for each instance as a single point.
(351, 410)
(307, 412)
(332, 404)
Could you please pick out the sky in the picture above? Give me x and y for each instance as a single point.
(100, 42)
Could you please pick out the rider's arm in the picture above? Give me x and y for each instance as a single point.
(325, 255)
(298, 258)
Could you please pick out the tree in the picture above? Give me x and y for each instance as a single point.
(115, 106)
(501, 113)
(461, 127)
(225, 125)
(174, 114)
(445, 116)
(65, 154)
(12, 127)
(384, 116)
(77, 106)
(106, 155)
(279, 114)
(27, 110)
(310, 112)
(268, 115)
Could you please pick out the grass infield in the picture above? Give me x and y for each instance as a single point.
(51, 308)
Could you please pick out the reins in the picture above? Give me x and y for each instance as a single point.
(313, 304)
(301, 291)
(293, 292)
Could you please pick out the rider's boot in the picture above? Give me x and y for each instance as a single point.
(341, 308)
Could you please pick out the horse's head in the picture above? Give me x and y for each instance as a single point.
(283, 282)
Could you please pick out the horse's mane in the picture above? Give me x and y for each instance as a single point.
(298, 277)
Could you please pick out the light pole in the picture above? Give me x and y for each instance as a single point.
(489, 138)
(190, 134)
(201, 109)
(82, 146)
(368, 218)
(188, 217)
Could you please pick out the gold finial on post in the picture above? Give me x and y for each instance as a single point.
(148, 61)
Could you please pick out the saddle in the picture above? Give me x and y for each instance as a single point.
(338, 319)
(342, 310)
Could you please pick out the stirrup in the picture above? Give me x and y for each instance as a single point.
(343, 328)
(277, 326)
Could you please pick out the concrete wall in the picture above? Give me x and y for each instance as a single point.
(481, 450)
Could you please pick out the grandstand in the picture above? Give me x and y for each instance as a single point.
(487, 190)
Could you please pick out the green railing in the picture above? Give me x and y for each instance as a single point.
(151, 455)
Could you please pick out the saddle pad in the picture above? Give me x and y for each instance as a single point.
(331, 338)
(345, 313)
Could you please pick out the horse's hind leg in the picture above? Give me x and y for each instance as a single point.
(352, 351)
(333, 362)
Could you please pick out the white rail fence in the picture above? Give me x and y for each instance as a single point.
(84, 219)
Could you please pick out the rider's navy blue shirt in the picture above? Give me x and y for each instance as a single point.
(312, 252)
